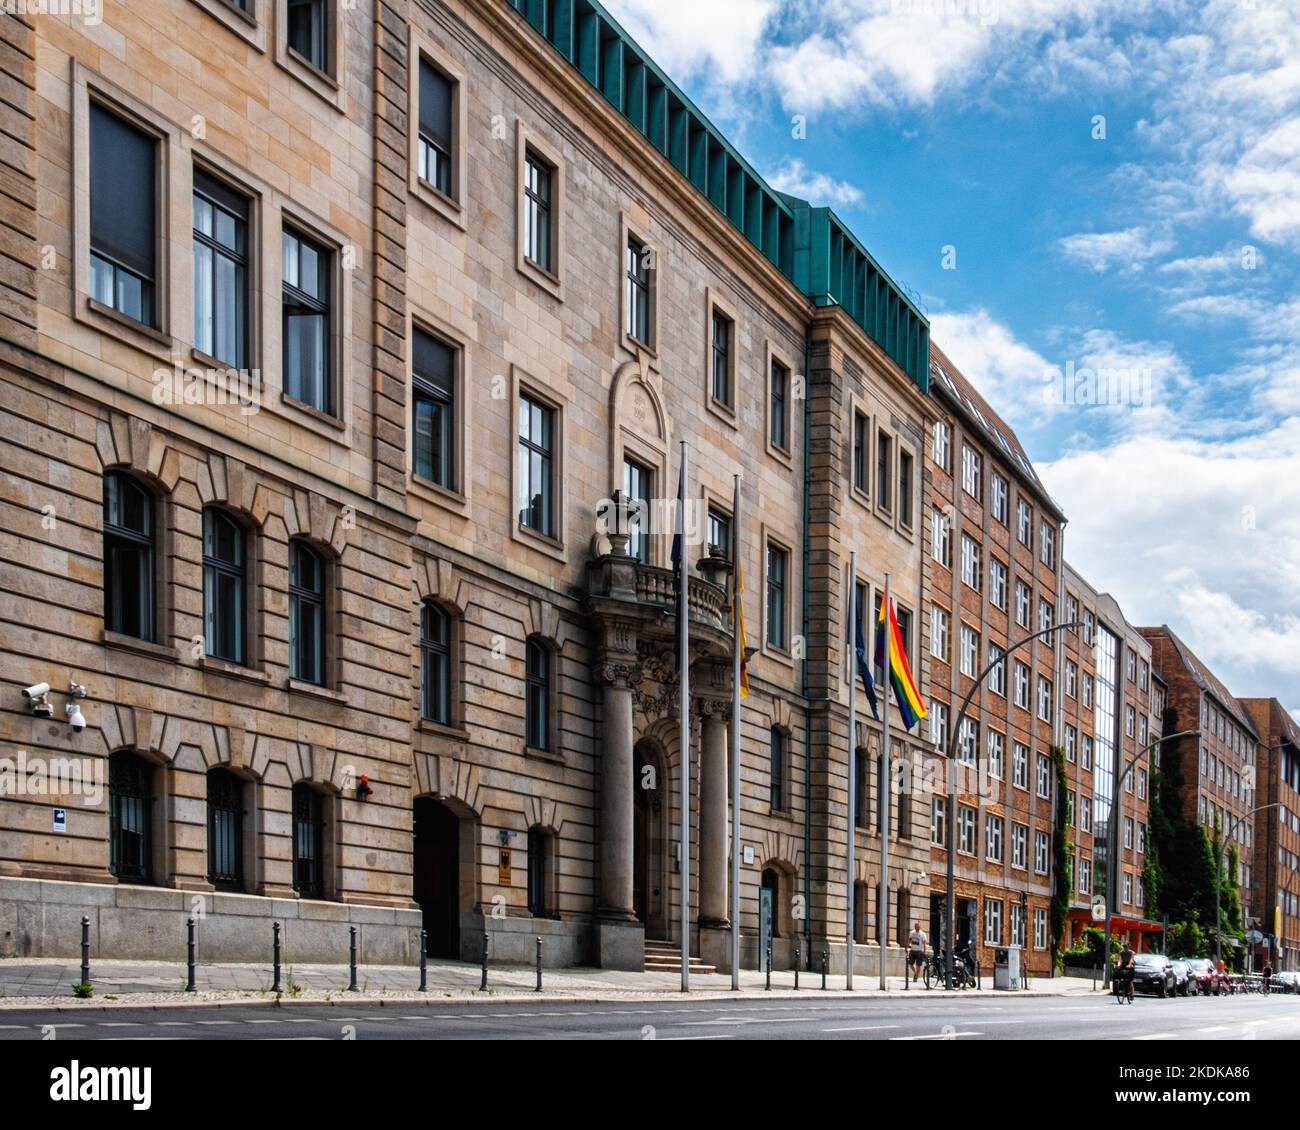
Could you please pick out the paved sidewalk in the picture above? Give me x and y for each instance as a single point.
(28, 981)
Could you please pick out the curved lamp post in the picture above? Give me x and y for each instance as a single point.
(949, 910)
(1112, 833)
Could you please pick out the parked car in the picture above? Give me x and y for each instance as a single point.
(1286, 982)
(1208, 978)
(1184, 980)
(1153, 973)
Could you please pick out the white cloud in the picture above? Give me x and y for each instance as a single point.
(1100, 251)
(685, 37)
(818, 188)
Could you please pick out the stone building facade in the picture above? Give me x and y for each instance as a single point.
(1277, 843)
(308, 470)
(1111, 710)
(994, 581)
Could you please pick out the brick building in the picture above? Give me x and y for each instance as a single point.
(995, 559)
(1277, 843)
(1111, 704)
(1219, 765)
(331, 330)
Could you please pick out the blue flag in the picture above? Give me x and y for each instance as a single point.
(860, 651)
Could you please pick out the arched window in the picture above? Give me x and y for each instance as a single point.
(306, 614)
(539, 869)
(776, 769)
(129, 540)
(224, 587)
(225, 830)
(130, 818)
(435, 664)
(538, 695)
(308, 842)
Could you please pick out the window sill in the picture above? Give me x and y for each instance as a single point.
(457, 733)
(781, 454)
(234, 670)
(155, 336)
(241, 23)
(544, 543)
(119, 642)
(549, 281)
(543, 755)
(724, 412)
(252, 376)
(315, 414)
(299, 686)
(324, 85)
(861, 497)
(779, 654)
(637, 347)
(431, 492)
(448, 207)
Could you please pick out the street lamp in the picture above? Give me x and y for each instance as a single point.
(1112, 832)
(949, 911)
(1218, 875)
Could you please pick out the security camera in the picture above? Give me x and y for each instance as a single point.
(76, 719)
(36, 693)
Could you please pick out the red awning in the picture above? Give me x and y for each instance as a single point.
(1117, 923)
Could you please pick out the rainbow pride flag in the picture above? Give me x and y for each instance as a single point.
(897, 671)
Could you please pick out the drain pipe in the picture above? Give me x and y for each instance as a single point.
(807, 714)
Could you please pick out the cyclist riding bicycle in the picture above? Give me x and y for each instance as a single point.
(1125, 969)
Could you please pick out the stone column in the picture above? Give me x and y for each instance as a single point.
(713, 814)
(616, 772)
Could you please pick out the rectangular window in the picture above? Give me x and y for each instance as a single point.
(1044, 781)
(779, 406)
(1025, 523)
(777, 560)
(884, 471)
(638, 485)
(1022, 686)
(776, 770)
(1001, 499)
(1128, 889)
(993, 838)
(1047, 546)
(997, 583)
(435, 159)
(1044, 615)
(1087, 752)
(972, 475)
(1022, 604)
(905, 488)
(722, 345)
(433, 410)
(123, 216)
(720, 532)
(306, 305)
(536, 501)
(1020, 768)
(860, 451)
(998, 674)
(992, 922)
(1086, 822)
(1040, 853)
(941, 539)
(1071, 678)
(538, 228)
(1128, 831)
(939, 633)
(997, 744)
(220, 271)
(1020, 846)
(1071, 743)
(942, 447)
(972, 569)
(1044, 698)
(308, 32)
(966, 830)
(968, 741)
(637, 265)
(1085, 876)
(938, 720)
(1087, 690)
(970, 651)
(939, 821)
(1040, 928)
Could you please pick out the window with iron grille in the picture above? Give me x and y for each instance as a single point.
(225, 830)
(130, 807)
(308, 842)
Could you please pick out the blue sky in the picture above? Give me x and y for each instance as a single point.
(1159, 261)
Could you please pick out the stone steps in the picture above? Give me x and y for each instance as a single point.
(666, 957)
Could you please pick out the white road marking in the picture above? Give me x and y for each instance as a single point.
(719, 1036)
(1158, 1036)
(732, 1020)
(937, 1036)
(862, 1028)
(1216, 1028)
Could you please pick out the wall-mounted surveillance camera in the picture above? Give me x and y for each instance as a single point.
(36, 693)
(76, 719)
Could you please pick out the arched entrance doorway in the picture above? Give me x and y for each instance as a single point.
(437, 875)
(649, 878)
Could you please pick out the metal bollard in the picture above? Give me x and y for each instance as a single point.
(482, 987)
(539, 964)
(352, 960)
(825, 963)
(275, 957)
(85, 949)
(768, 986)
(798, 960)
(189, 957)
(424, 961)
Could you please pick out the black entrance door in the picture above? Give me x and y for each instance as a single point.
(437, 875)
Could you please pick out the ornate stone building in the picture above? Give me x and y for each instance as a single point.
(330, 332)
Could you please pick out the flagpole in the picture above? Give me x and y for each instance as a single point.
(736, 658)
(684, 735)
(851, 636)
(882, 899)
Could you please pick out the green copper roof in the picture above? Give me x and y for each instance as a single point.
(811, 246)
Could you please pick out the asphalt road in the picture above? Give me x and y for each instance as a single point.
(915, 1019)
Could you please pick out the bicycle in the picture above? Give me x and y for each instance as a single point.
(936, 972)
(1122, 986)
